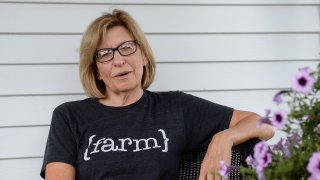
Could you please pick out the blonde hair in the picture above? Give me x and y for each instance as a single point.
(93, 36)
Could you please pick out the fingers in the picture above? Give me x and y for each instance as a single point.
(202, 176)
(206, 170)
(203, 173)
(210, 176)
(206, 176)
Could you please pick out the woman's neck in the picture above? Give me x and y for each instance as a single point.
(122, 98)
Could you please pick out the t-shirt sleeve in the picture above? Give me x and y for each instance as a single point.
(61, 144)
(202, 120)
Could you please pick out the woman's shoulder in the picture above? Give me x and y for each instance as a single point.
(169, 97)
(164, 95)
(181, 97)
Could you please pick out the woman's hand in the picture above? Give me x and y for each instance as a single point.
(218, 149)
(243, 126)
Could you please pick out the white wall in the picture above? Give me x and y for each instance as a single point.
(234, 52)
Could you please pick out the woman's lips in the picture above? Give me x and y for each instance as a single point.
(122, 75)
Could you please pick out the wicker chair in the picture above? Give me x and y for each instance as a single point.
(191, 163)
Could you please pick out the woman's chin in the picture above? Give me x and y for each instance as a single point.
(127, 88)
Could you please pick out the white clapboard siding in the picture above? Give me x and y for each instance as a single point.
(180, 2)
(42, 49)
(23, 141)
(233, 52)
(16, 169)
(53, 79)
(37, 110)
(226, 76)
(43, 18)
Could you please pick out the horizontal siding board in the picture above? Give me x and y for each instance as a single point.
(39, 79)
(55, 79)
(39, 49)
(43, 18)
(180, 2)
(236, 47)
(255, 101)
(25, 141)
(31, 110)
(15, 169)
(37, 110)
(221, 76)
(43, 49)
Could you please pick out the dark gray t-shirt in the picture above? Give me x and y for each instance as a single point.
(144, 140)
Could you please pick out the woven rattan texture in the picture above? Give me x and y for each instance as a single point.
(191, 163)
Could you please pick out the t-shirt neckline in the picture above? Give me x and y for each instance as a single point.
(132, 106)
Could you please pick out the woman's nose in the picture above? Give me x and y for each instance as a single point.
(118, 59)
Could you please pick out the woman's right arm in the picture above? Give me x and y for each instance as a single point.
(59, 170)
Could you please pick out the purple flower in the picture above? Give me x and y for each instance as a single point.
(261, 175)
(295, 138)
(286, 152)
(303, 81)
(313, 178)
(265, 119)
(260, 149)
(261, 156)
(279, 118)
(224, 170)
(286, 148)
(263, 161)
(277, 97)
(278, 146)
(314, 166)
(250, 160)
(307, 69)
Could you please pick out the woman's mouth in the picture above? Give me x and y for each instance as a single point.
(123, 74)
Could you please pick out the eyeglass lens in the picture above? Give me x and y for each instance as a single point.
(125, 49)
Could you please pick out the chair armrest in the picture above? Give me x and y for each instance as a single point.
(191, 162)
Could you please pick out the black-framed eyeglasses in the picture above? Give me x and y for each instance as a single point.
(106, 54)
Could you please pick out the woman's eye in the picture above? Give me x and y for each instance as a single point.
(107, 54)
(126, 47)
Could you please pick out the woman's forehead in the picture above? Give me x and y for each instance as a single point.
(114, 36)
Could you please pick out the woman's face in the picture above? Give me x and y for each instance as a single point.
(122, 73)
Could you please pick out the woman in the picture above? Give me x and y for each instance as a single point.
(124, 131)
